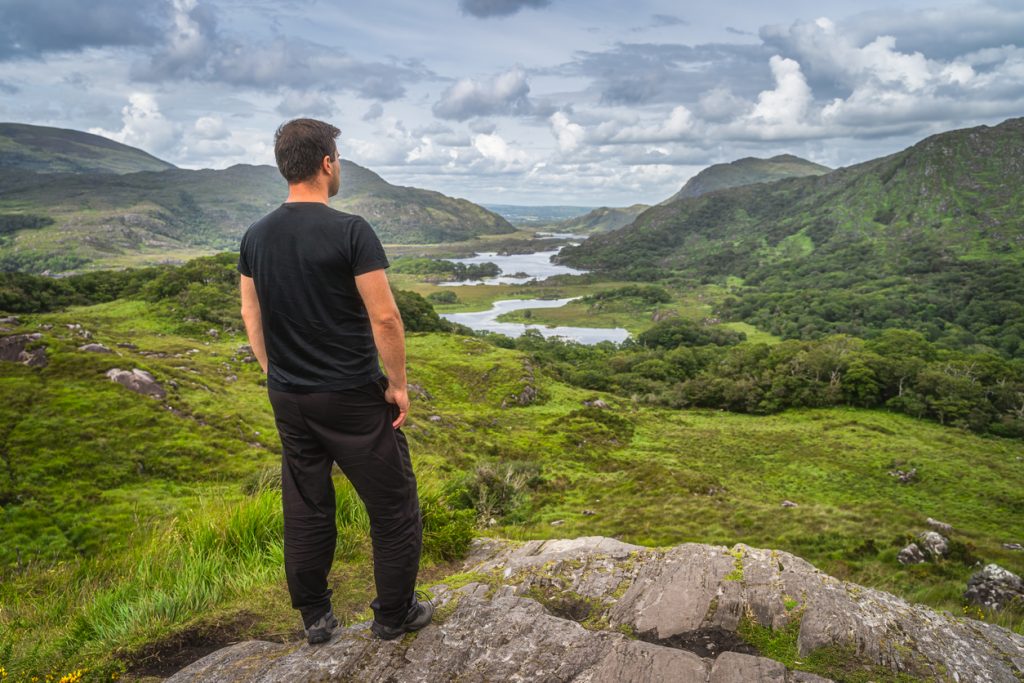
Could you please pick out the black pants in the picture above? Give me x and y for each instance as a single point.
(353, 429)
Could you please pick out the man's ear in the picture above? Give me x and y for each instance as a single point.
(326, 165)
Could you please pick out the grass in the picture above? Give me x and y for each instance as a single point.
(204, 515)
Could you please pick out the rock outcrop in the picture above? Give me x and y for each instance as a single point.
(139, 381)
(596, 609)
(15, 348)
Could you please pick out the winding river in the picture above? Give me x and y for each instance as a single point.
(522, 268)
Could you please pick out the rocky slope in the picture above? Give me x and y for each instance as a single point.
(596, 609)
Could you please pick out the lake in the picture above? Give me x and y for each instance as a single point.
(486, 321)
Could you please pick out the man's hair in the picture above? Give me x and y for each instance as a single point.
(300, 145)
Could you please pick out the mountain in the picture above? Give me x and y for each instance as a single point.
(65, 220)
(42, 149)
(930, 237)
(747, 171)
(603, 219)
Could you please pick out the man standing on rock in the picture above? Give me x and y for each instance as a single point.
(318, 308)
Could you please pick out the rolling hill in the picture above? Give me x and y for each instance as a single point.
(41, 149)
(933, 235)
(603, 219)
(99, 218)
(747, 171)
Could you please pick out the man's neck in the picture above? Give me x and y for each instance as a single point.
(307, 192)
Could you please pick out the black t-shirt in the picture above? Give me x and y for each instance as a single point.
(303, 258)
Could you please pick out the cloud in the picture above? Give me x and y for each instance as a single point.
(661, 21)
(720, 104)
(484, 9)
(569, 135)
(310, 103)
(738, 32)
(649, 73)
(210, 128)
(197, 49)
(505, 94)
(9, 88)
(29, 28)
(144, 126)
(374, 112)
(495, 149)
(942, 32)
(788, 103)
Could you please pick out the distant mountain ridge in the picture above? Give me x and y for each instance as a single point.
(747, 171)
(602, 219)
(99, 216)
(960, 191)
(41, 149)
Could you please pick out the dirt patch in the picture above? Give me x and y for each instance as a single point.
(173, 653)
(705, 642)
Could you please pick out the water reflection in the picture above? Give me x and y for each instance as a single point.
(487, 321)
(535, 266)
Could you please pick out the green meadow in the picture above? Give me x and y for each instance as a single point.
(142, 533)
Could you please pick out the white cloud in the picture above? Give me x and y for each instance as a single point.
(494, 148)
(210, 128)
(787, 104)
(568, 134)
(144, 126)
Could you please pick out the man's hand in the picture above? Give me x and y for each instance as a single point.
(400, 397)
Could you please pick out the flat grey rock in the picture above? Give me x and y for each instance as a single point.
(596, 610)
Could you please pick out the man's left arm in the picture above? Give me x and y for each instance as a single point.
(253, 320)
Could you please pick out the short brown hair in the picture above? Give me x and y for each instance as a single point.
(300, 145)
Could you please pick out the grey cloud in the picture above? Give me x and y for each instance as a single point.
(9, 88)
(306, 103)
(374, 112)
(642, 73)
(667, 20)
(209, 56)
(483, 126)
(943, 33)
(483, 9)
(738, 32)
(505, 94)
(29, 28)
(661, 21)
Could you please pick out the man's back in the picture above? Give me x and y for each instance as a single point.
(303, 258)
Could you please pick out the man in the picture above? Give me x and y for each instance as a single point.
(318, 308)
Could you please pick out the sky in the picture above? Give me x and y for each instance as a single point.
(579, 102)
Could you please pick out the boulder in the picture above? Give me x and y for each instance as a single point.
(911, 555)
(139, 381)
(934, 543)
(941, 527)
(95, 348)
(995, 588)
(13, 348)
(597, 609)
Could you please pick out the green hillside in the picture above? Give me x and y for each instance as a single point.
(129, 519)
(747, 171)
(603, 219)
(41, 149)
(66, 220)
(931, 237)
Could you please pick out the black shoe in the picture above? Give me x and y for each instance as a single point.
(420, 614)
(320, 630)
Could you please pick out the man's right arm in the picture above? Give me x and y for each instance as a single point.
(388, 335)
